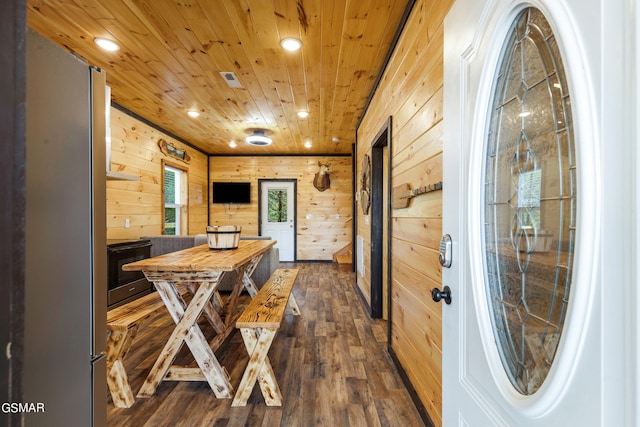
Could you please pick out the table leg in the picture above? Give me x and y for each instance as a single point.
(249, 284)
(218, 304)
(293, 305)
(187, 330)
(257, 343)
(232, 301)
(118, 344)
(210, 311)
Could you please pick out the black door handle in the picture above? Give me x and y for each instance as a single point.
(445, 294)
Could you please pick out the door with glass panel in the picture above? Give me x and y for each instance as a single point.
(529, 335)
(277, 215)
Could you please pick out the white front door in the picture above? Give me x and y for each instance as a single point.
(538, 188)
(277, 215)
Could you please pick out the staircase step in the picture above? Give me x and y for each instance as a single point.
(346, 250)
(344, 262)
(343, 259)
(345, 267)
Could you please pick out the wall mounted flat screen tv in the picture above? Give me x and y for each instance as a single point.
(231, 192)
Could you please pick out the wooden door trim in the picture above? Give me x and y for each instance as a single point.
(381, 140)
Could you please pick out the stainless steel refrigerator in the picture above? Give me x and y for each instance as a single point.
(65, 296)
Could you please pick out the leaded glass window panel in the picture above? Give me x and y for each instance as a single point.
(529, 202)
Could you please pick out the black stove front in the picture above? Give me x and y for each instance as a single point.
(125, 286)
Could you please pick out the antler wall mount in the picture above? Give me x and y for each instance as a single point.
(322, 178)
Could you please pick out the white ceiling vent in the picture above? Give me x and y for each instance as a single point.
(231, 79)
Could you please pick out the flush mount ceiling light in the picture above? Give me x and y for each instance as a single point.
(303, 114)
(193, 113)
(290, 44)
(258, 138)
(233, 144)
(106, 44)
(308, 144)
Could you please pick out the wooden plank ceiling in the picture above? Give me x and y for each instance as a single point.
(173, 51)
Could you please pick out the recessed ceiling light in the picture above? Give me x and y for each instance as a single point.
(525, 114)
(302, 114)
(106, 44)
(291, 44)
(307, 144)
(258, 138)
(335, 139)
(233, 144)
(193, 113)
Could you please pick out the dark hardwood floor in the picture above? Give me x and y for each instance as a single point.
(331, 364)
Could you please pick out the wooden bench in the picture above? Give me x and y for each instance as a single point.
(123, 323)
(258, 324)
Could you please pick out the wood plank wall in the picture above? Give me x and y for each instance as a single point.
(411, 92)
(134, 150)
(328, 231)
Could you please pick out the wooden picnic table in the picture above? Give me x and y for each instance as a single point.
(201, 270)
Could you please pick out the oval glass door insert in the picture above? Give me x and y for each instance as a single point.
(529, 201)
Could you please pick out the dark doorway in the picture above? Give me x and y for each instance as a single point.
(380, 210)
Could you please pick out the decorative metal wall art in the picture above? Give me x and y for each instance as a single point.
(365, 184)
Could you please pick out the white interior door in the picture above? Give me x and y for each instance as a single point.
(539, 224)
(278, 215)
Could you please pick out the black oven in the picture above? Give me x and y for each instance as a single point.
(124, 286)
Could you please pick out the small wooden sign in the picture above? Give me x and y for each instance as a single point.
(169, 149)
(403, 193)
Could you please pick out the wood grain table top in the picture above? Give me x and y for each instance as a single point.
(201, 258)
